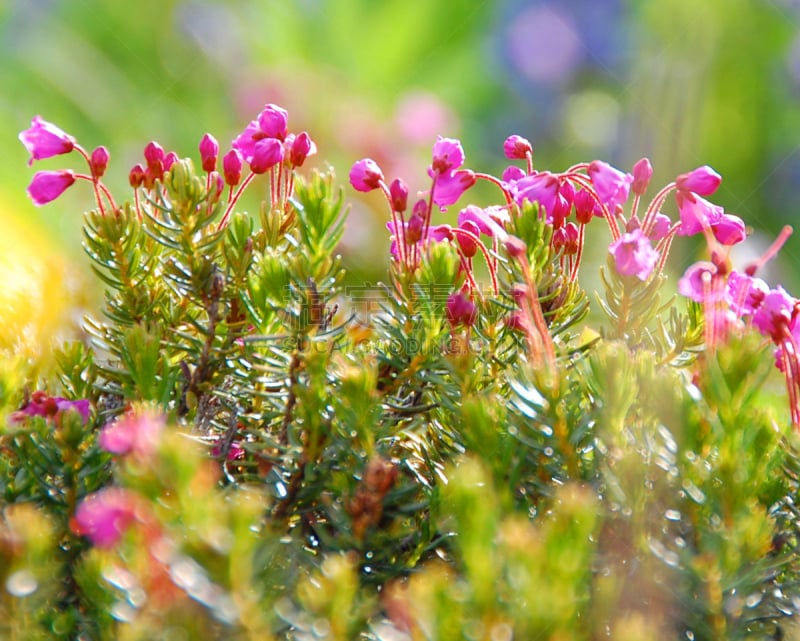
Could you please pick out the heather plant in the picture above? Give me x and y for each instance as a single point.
(247, 446)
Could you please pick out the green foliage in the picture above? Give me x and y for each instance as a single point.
(398, 476)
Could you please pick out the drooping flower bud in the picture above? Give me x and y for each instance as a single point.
(468, 246)
(517, 148)
(611, 185)
(365, 175)
(98, 162)
(414, 227)
(154, 156)
(703, 181)
(44, 140)
(232, 167)
(170, 159)
(46, 186)
(729, 230)
(209, 151)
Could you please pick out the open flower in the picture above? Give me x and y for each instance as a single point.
(46, 186)
(612, 185)
(133, 433)
(44, 140)
(633, 255)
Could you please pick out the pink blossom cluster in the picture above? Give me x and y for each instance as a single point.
(51, 407)
(265, 147)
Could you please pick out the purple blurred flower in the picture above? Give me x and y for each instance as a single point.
(611, 184)
(134, 432)
(103, 517)
(633, 255)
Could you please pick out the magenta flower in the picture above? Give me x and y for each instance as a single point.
(103, 517)
(633, 255)
(696, 213)
(448, 155)
(460, 310)
(41, 404)
(642, 173)
(273, 122)
(585, 207)
(542, 188)
(661, 226)
(44, 140)
(154, 156)
(246, 141)
(46, 186)
(565, 238)
(209, 152)
(469, 247)
(511, 175)
(697, 283)
(365, 175)
(302, 147)
(136, 176)
(611, 184)
(703, 181)
(728, 229)
(451, 185)
(489, 221)
(232, 167)
(745, 293)
(398, 191)
(133, 433)
(98, 162)
(517, 148)
(776, 314)
(267, 153)
(170, 159)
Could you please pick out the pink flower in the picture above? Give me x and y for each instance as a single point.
(133, 432)
(273, 122)
(232, 167)
(565, 238)
(541, 188)
(696, 213)
(745, 293)
(44, 140)
(642, 173)
(136, 176)
(98, 161)
(267, 153)
(517, 148)
(41, 404)
(46, 186)
(703, 181)
(489, 221)
(728, 229)
(398, 191)
(154, 156)
(451, 185)
(633, 255)
(612, 185)
(697, 283)
(460, 310)
(103, 517)
(585, 207)
(209, 151)
(365, 175)
(469, 247)
(246, 141)
(776, 314)
(661, 226)
(302, 147)
(448, 155)
(512, 174)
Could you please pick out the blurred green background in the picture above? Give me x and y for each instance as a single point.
(684, 82)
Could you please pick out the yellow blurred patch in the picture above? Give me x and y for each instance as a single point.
(35, 287)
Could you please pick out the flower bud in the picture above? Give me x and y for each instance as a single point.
(232, 167)
(365, 175)
(136, 176)
(642, 173)
(515, 247)
(517, 148)
(44, 140)
(302, 148)
(209, 151)
(266, 154)
(154, 156)
(98, 162)
(460, 310)
(398, 190)
(703, 181)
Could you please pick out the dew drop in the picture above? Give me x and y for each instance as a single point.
(21, 583)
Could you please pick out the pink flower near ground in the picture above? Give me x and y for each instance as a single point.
(633, 255)
(46, 186)
(44, 140)
(103, 517)
(136, 432)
